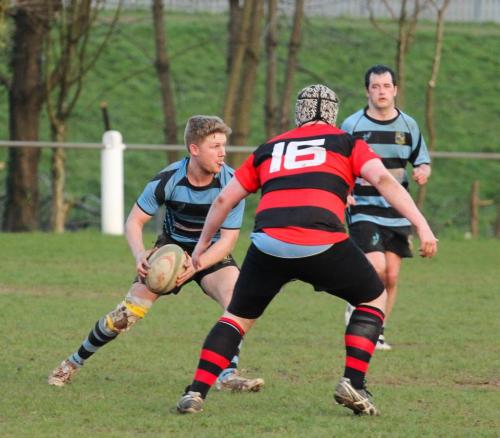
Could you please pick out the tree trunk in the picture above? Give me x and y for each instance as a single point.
(60, 206)
(291, 67)
(270, 109)
(251, 62)
(233, 28)
(431, 86)
(25, 104)
(402, 48)
(162, 64)
(235, 74)
(406, 32)
(405, 36)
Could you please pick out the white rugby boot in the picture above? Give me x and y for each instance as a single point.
(63, 373)
(236, 383)
(348, 312)
(382, 344)
(358, 400)
(190, 403)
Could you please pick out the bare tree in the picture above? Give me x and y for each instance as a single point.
(163, 71)
(249, 74)
(235, 12)
(407, 25)
(431, 85)
(291, 66)
(406, 33)
(270, 109)
(67, 61)
(3, 25)
(44, 70)
(235, 73)
(31, 21)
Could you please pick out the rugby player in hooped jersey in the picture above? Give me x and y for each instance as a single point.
(304, 175)
(186, 188)
(377, 228)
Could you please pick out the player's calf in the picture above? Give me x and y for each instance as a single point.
(120, 320)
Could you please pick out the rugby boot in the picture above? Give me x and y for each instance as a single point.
(382, 344)
(358, 400)
(63, 373)
(236, 383)
(190, 403)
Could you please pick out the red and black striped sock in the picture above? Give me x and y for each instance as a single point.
(360, 338)
(219, 348)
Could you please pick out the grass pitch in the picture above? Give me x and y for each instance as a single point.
(441, 379)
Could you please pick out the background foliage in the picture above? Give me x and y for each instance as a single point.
(334, 51)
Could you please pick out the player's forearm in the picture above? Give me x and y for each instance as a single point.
(133, 234)
(216, 252)
(133, 230)
(400, 199)
(134, 239)
(215, 218)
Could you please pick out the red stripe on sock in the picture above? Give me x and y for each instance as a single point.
(359, 342)
(205, 377)
(215, 358)
(356, 364)
(233, 323)
(371, 310)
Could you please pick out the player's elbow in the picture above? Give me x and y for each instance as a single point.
(221, 201)
(385, 181)
(224, 202)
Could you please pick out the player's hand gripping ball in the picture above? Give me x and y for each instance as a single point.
(166, 264)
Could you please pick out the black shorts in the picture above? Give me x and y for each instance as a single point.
(342, 270)
(371, 237)
(164, 239)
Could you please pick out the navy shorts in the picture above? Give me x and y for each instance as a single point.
(372, 237)
(164, 239)
(342, 270)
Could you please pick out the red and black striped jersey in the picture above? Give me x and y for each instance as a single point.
(305, 176)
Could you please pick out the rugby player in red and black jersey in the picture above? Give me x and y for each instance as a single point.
(305, 176)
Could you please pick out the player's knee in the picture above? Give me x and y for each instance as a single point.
(225, 299)
(382, 274)
(127, 313)
(391, 280)
(221, 296)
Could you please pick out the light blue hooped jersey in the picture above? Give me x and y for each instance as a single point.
(187, 205)
(397, 142)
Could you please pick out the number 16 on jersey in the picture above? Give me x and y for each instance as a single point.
(298, 154)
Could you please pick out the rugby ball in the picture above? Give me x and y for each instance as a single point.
(166, 264)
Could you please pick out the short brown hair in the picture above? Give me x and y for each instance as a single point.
(379, 69)
(200, 127)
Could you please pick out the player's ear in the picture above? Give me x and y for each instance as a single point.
(194, 149)
(395, 90)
